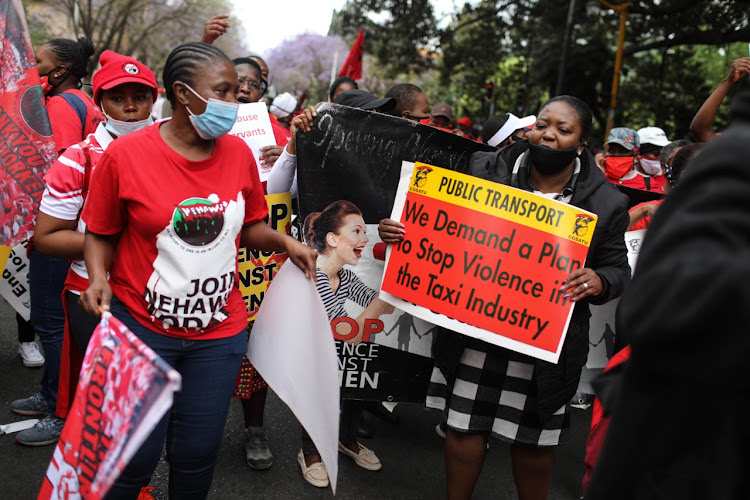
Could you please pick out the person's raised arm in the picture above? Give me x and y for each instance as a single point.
(302, 122)
(98, 251)
(261, 237)
(215, 27)
(281, 178)
(703, 120)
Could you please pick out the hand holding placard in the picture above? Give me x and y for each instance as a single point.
(253, 126)
(488, 260)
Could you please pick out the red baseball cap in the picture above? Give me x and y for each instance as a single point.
(465, 121)
(118, 69)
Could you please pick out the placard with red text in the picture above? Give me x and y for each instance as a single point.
(254, 127)
(256, 269)
(486, 260)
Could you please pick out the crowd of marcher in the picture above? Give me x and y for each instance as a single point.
(104, 234)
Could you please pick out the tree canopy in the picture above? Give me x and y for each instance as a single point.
(145, 29)
(676, 52)
(303, 64)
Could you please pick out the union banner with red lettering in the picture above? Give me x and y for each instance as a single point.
(26, 146)
(486, 260)
(124, 390)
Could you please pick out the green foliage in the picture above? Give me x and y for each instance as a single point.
(400, 38)
(715, 63)
(649, 96)
(666, 87)
(145, 29)
(672, 60)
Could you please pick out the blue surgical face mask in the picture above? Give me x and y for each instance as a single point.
(216, 120)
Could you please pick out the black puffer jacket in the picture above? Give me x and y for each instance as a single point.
(557, 383)
(687, 315)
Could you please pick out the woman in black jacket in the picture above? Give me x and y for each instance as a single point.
(488, 389)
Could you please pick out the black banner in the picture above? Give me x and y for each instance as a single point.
(636, 196)
(356, 155)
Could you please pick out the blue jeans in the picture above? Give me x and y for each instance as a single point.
(46, 281)
(194, 427)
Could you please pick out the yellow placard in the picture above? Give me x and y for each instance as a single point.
(4, 254)
(502, 201)
(257, 269)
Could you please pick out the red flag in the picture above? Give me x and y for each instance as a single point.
(124, 390)
(26, 146)
(353, 65)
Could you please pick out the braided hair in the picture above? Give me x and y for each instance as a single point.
(76, 53)
(185, 61)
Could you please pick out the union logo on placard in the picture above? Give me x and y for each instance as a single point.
(582, 225)
(199, 221)
(420, 179)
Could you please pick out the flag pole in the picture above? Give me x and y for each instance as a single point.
(334, 65)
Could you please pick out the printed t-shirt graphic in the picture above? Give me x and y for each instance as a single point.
(187, 289)
(180, 221)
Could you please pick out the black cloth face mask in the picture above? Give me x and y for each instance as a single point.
(550, 161)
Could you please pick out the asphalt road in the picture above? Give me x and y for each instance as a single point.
(411, 452)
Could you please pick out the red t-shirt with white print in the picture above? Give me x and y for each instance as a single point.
(63, 196)
(175, 266)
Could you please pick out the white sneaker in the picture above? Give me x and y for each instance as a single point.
(30, 354)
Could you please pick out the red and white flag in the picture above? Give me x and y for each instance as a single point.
(26, 145)
(123, 391)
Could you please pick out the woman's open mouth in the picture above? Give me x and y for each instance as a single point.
(358, 252)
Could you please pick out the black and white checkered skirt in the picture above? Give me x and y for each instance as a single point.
(495, 394)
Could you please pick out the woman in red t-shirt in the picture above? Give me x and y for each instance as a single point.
(62, 63)
(73, 116)
(168, 207)
(126, 91)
